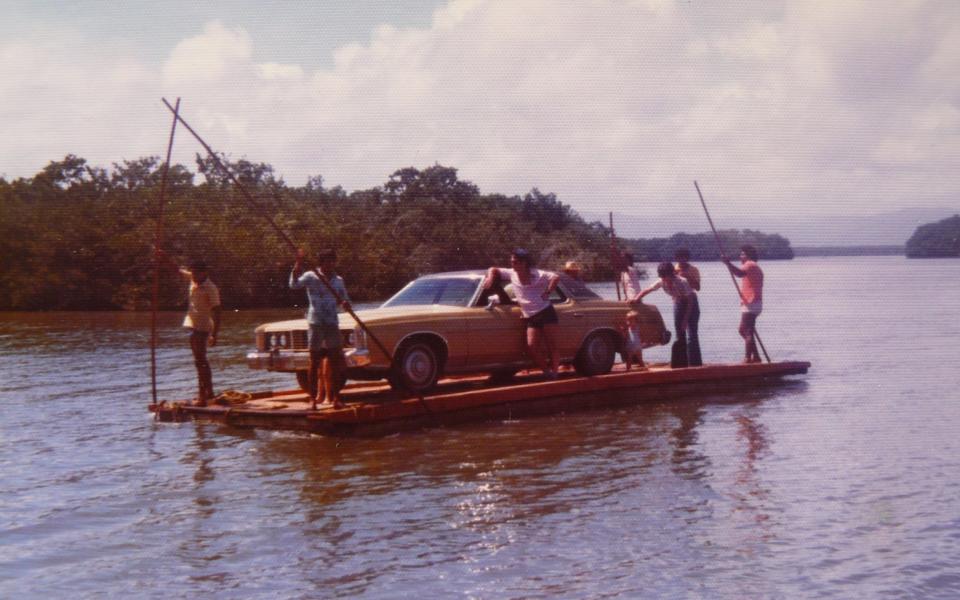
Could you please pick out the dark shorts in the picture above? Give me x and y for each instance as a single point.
(547, 316)
(748, 321)
(324, 338)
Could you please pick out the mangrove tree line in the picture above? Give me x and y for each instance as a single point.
(80, 237)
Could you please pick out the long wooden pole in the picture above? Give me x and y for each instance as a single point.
(615, 259)
(724, 256)
(158, 244)
(280, 232)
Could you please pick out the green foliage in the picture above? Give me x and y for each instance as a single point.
(936, 240)
(76, 237)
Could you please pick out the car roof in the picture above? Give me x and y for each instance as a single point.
(465, 274)
(572, 287)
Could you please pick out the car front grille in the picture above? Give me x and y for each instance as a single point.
(296, 339)
(299, 338)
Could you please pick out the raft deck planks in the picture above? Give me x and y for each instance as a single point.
(373, 409)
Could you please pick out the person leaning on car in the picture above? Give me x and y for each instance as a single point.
(324, 325)
(532, 288)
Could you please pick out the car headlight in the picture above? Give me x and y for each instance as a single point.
(278, 340)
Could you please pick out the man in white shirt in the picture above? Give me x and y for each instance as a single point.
(532, 288)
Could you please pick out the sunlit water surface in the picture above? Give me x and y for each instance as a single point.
(844, 483)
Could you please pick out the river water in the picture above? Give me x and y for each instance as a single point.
(844, 483)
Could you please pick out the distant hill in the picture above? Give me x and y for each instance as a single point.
(936, 240)
(883, 229)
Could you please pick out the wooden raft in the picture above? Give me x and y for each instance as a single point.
(375, 410)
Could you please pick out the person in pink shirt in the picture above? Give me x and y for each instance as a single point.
(751, 298)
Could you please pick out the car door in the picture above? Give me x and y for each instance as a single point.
(574, 324)
(496, 334)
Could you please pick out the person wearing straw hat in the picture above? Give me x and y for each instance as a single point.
(572, 269)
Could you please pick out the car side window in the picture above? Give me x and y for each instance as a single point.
(457, 292)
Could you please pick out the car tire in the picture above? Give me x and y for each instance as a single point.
(416, 367)
(596, 355)
(303, 381)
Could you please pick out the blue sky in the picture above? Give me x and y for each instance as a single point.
(779, 108)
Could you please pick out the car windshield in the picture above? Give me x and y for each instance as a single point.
(449, 291)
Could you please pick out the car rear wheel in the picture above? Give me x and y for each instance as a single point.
(416, 367)
(596, 354)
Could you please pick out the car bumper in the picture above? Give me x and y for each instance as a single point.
(291, 360)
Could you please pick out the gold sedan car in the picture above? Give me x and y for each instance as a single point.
(445, 323)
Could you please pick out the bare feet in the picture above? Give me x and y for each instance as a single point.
(329, 405)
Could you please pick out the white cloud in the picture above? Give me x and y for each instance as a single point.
(611, 105)
(215, 54)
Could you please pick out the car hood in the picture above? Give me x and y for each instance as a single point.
(373, 316)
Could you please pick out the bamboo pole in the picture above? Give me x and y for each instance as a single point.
(158, 243)
(615, 259)
(724, 256)
(256, 205)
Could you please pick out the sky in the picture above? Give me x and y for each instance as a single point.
(780, 109)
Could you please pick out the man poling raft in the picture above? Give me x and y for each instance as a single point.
(748, 328)
(323, 335)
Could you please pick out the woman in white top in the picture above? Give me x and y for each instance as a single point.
(629, 277)
(532, 288)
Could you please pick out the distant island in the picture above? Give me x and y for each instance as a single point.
(703, 246)
(936, 240)
(848, 251)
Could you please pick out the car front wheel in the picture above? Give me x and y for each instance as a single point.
(596, 354)
(303, 381)
(416, 367)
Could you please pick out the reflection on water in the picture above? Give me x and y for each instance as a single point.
(844, 483)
